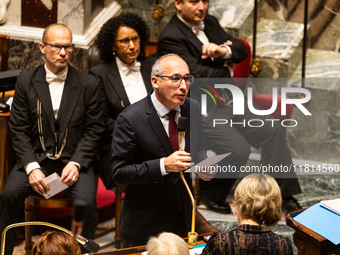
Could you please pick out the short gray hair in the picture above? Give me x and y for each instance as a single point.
(157, 68)
(167, 243)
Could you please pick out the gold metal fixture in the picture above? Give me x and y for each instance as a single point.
(158, 12)
(256, 66)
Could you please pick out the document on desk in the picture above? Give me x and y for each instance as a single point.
(55, 184)
(213, 160)
(322, 221)
(194, 251)
(333, 205)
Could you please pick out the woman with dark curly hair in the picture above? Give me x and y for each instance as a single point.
(257, 205)
(125, 74)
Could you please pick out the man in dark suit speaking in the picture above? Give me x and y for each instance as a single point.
(146, 160)
(56, 126)
(210, 52)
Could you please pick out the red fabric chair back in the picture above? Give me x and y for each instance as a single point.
(241, 71)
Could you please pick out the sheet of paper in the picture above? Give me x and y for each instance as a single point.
(333, 205)
(208, 162)
(195, 251)
(322, 221)
(55, 184)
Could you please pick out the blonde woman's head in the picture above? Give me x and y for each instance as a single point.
(259, 196)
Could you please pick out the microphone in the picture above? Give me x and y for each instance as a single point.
(78, 214)
(182, 127)
(89, 244)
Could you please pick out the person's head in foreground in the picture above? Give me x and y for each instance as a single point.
(257, 205)
(167, 244)
(55, 243)
(258, 200)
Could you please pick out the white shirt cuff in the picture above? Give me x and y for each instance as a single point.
(163, 171)
(229, 54)
(31, 166)
(75, 163)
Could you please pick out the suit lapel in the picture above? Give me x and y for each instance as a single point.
(209, 30)
(157, 126)
(192, 38)
(70, 97)
(146, 74)
(41, 87)
(117, 84)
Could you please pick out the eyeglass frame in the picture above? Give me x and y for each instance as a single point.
(126, 43)
(182, 77)
(60, 47)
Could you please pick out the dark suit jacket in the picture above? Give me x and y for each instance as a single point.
(81, 113)
(152, 201)
(113, 93)
(115, 99)
(178, 38)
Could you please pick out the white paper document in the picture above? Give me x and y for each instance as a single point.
(55, 184)
(208, 162)
(195, 251)
(333, 205)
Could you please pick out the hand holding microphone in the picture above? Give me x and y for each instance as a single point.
(177, 161)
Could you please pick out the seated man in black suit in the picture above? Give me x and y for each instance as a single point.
(210, 52)
(146, 159)
(56, 127)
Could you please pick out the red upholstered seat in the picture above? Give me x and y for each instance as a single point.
(241, 70)
(241, 74)
(265, 102)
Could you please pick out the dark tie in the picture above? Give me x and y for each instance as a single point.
(173, 132)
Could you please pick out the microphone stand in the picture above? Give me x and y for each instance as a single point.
(192, 236)
(80, 239)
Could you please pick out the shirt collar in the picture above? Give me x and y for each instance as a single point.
(190, 25)
(65, 70)
(161, 110)
(121, 64)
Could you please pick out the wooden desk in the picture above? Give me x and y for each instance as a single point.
(139, 249)
(7, 158)
(307, 241)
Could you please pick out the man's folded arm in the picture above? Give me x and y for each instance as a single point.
(196, 65)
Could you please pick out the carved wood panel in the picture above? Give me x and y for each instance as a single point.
(38, 13)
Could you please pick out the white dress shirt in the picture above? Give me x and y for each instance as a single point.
(132, 81)
(162, 112)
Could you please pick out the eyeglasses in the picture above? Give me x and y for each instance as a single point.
(177, 79)
(57, 47)
(125, 42)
